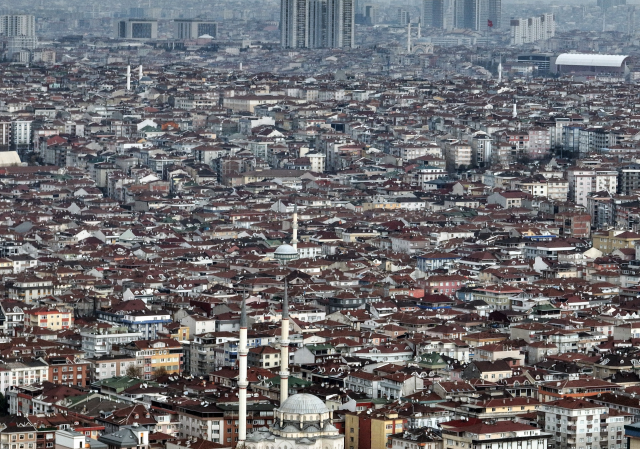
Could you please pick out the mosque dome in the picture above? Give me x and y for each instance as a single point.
(286, 250)
(303, 404)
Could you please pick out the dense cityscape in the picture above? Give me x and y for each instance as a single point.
(320, 224)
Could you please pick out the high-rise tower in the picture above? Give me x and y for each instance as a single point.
(340, 24)
(476, 14)
(294, 23)
(495, 13)
(317, 23)
(473, 14)
(18, 25)
(433, 13)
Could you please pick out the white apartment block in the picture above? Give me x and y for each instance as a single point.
(97, 345)
(582, 182)
(578, 424)
(21, 133)
(532, 29)
(18, 25)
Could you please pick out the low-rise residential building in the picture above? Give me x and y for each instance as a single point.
(473, 432)
(153, 356)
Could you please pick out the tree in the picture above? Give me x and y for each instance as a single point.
(4, 405)
(159, 372)
(134, 371)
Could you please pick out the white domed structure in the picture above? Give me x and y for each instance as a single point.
(303, 403)
(302, 421)
(285, 253)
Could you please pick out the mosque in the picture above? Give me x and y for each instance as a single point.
(303, 421)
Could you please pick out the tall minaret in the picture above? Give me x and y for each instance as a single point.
(284, 346)
(515, 109)
(140, 72)
(294, 239)
(409, 37)
(242, 376)
(129, 77)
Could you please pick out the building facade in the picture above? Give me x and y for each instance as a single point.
(532, 29)
(193, 28)
(317, 23)
(18, 25)
(137, 29)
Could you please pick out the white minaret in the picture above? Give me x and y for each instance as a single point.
(515, 109)
(294, 239)
(128, 77)
(409, 37)
(140, 72)
(500, 71)
(419, 31)
(242, 377)
(284, 346)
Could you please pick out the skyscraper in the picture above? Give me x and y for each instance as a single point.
(340, 24)
(403, 17)
(18, 25)
(367, 14)
(433, 13)
(317, 23)
(533, 29)
(495, 12)
(21, 31)
(294, 26)
(471, 14)
(476, 14)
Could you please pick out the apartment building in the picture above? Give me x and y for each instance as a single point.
(54, 319)
(576, 423)
(473, 433)
(371, 429)
(152, 355)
